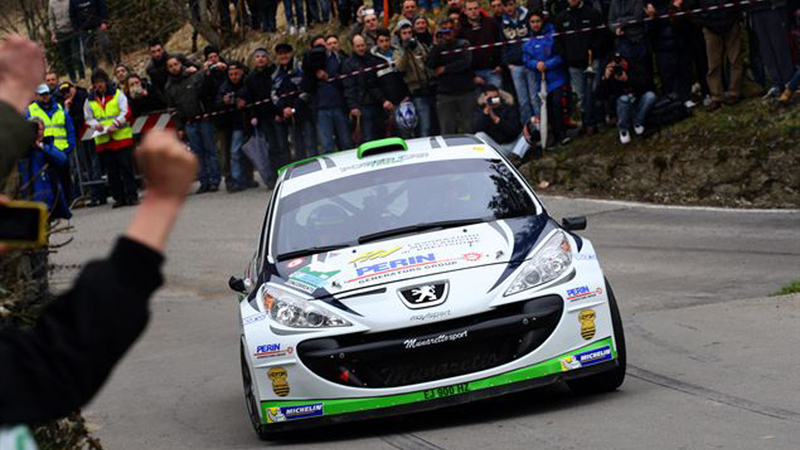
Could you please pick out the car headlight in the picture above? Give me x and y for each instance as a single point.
(298, 313)
(547, 264)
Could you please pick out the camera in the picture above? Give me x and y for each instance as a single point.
(410, 44)
(23, 224)
(135, 91)
(494, 101)
(618, 70)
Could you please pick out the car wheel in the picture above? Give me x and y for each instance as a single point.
(250, 398)
(612, 379)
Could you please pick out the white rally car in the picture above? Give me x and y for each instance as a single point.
(412, 275)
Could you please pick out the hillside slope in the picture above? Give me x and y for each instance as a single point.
(746, 156)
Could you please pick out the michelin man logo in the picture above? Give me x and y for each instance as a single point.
(424, 293)
(570, 363)
(275, 415)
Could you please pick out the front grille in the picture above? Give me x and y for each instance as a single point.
(433, 352)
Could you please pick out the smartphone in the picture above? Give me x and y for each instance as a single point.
(23, 224)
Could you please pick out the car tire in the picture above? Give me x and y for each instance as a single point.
(609, 380)
(250, 398)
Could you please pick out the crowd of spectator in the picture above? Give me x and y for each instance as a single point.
(423, 78)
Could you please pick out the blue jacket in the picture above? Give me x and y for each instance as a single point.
(50, 109)
(541, 48)
(511, 29)
(43, 185)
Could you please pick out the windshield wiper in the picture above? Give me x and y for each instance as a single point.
(310, 251)
(417, 228)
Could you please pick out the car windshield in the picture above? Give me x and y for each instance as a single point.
(338, 213)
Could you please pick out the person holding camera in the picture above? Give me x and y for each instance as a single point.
(186, 89)
(498, 123)
(418, 78)
(38, 173)
(455, 91)
(59, 128)
(214, 66)
(142, 98)
(627, 85)
(361, 92)
(320, 70)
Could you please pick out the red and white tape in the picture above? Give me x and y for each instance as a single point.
(340, 77)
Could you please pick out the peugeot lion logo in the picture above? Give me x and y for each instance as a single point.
(424, 295)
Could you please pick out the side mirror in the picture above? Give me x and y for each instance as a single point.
(576, 223)
(237, 285)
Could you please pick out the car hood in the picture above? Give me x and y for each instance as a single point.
(505, 242)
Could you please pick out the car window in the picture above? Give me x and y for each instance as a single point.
(340, 211)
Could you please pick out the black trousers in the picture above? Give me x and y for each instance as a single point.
(119, 167)
(771, 28)
(65, 177)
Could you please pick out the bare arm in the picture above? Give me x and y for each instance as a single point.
(169, 169)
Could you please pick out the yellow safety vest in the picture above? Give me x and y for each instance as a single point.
(106, 118)
(55, 126)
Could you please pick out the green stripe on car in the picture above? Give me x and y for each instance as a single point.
(350, 405)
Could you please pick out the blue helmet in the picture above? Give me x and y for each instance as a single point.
(405, 116)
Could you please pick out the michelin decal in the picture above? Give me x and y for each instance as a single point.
(284, 413)
(585, 359)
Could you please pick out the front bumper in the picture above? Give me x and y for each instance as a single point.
(279, 416)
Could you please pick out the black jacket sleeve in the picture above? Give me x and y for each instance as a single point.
(102, 11)
(73, 13)
(351, 85)
(57, 366)
(16, 134)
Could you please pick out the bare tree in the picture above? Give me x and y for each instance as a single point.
(29, 16)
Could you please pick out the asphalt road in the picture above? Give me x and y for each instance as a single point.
(713, 361)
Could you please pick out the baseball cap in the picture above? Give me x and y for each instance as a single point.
(283, 47)
(65, 86)
(42, 89)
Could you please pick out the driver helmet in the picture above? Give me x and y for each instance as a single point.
(327, 216)
(406, 117)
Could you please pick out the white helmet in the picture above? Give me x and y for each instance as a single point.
(405, 117)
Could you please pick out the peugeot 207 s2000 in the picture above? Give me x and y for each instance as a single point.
(412, 275)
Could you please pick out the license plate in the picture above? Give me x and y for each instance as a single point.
(446, 391)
